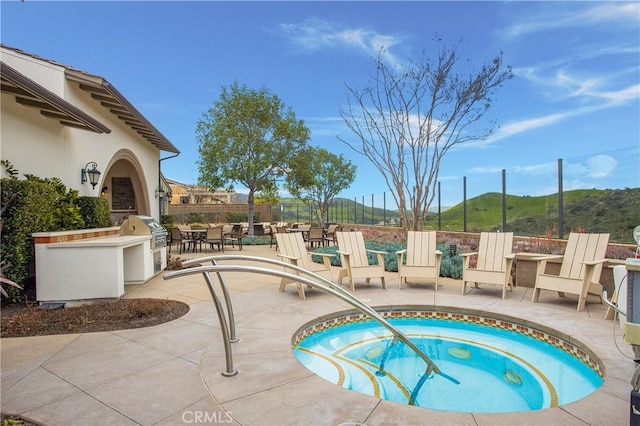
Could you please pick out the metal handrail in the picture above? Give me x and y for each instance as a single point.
(225, 292)
(324, 285)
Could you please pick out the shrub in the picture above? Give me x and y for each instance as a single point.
(618, 252)
(194, 217)
(242, 217)
(390, 258)
(95, 212)
(256, 241)
(33, 205)
(167, 220)
(450, 266)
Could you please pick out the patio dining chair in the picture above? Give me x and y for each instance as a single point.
(316, 236)
(235, 236)
(180, 240)
(330, 235)
(214, 236)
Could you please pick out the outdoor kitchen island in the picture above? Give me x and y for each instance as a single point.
(94, 263)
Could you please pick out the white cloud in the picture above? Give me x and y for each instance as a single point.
(485, 170)
(608, 13)
(574, 173)
(314, 34)
(564, 85)
(596, 167)
(622, 95)
(521, 126)
(601, 166)
(543, 169)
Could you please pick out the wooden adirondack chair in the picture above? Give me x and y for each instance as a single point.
(580, 270)
(423, 259)
(355, 263)
(293, 250)
(495, 259)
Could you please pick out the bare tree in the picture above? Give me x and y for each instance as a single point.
(407, 118)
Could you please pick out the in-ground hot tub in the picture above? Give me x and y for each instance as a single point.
(497, 363)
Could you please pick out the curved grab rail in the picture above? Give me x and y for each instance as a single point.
(324, 285)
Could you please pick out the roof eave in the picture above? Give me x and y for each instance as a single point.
(31, 94)
(109, 97)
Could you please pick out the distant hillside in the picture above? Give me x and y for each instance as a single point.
(342, 210)
(616, 212)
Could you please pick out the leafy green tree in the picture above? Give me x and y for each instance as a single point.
(268, 195)
(408, 117)
(316, 176)
(248, 136)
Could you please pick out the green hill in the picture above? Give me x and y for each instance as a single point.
(342, 210)
(616, 212)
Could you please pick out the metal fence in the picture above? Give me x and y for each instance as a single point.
(556, 180)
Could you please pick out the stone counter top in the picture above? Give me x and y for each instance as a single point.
(116, 241)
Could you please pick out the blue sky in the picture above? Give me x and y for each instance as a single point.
(575, 94)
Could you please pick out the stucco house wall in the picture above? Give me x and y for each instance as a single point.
(42, 146)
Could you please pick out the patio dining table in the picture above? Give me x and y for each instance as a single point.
(197, 235)
(305, 232)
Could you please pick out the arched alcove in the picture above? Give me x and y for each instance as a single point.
(125, 186)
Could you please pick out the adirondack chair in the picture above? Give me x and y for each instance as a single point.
(293, 250)
(580, 270)
(423, 260)
(495, 259)
(355, 263)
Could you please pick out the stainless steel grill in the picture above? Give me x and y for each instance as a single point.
(145, 225)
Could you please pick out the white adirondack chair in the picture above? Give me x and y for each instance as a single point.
(292, 249)
(495, 258)
(580, 270)
(422, 258)
(355, 264)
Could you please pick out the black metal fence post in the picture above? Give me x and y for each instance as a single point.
(439, 209)
(504, 200)
(560, 202)
(384, 208)
(464, 204)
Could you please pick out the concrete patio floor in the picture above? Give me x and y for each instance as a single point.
(170, 374)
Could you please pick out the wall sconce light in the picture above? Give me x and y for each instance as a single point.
(159, 192)
(93, 174)
(105, 189)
